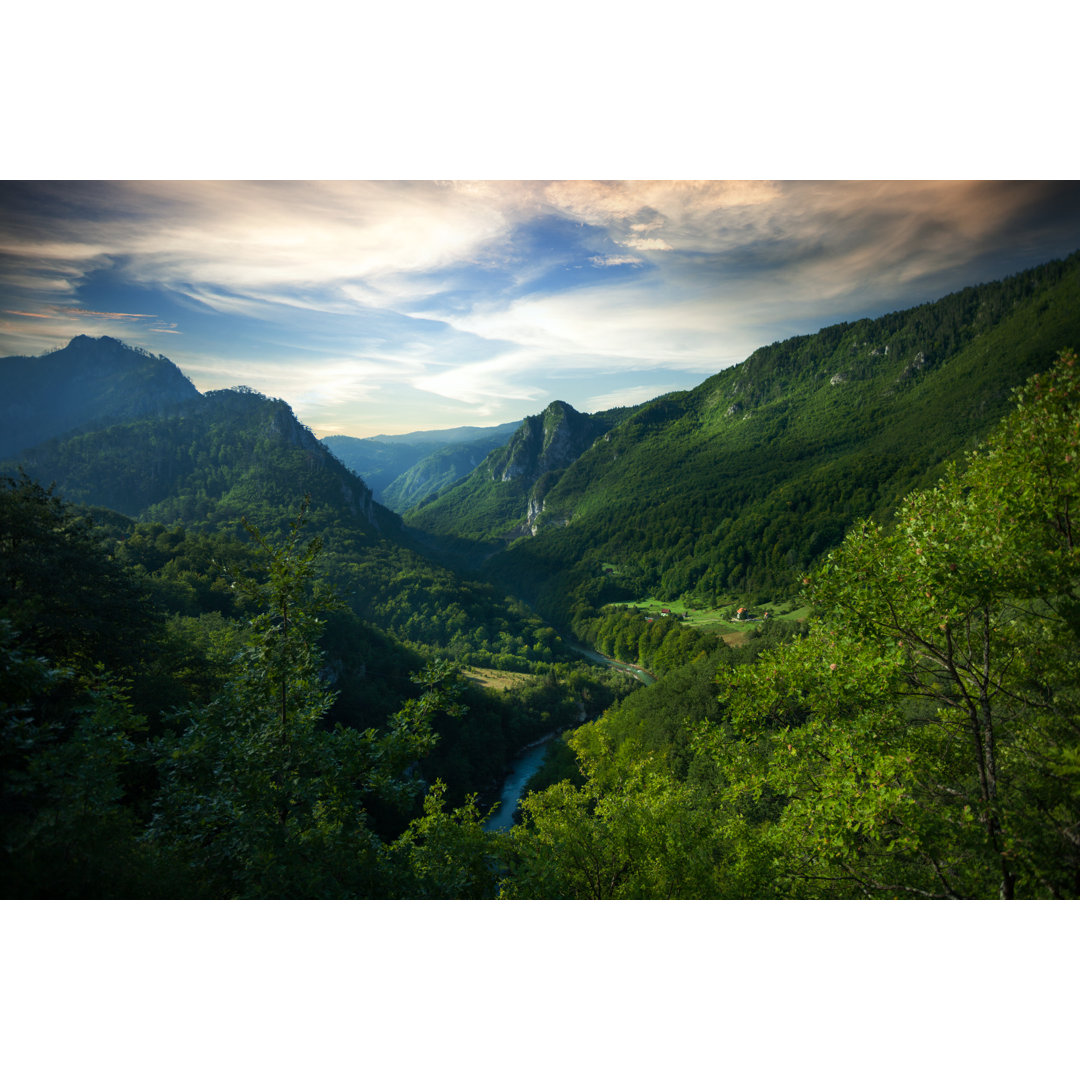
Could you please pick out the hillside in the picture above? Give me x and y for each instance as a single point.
(229, 455)
(505, 494)
(215, 458)
(401, 470)
(739, 485)
(88, 382)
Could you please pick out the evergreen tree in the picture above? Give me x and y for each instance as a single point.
(258, 797)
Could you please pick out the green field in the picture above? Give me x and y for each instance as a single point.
(717, 620)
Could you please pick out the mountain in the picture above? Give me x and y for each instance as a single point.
(214, 458)
(505, 494)
(383, 459)
(88, 382)
(436, 472)
(734, 488)
(232, 454)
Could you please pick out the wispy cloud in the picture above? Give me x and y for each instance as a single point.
(108, 314)
(487, 293)
(648, 243)
(500, 379)
(614, 260)
(630, 395)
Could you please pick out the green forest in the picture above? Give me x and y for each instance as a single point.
(227, 672)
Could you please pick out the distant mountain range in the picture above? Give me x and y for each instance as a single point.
(404, 470)
(731, 489)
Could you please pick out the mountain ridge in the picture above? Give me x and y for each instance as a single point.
(88, 382)
(211, 458)
(383, 460)
(738, 485)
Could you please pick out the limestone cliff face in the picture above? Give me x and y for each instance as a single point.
(545, 443)
(539, 451)
(507, 496)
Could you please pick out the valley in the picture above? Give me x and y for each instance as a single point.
(757, 627)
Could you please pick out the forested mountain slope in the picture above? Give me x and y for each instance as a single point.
(505, 493)
(438, 471)
(89, 381)
(920, 740)
(218, 456)
(737, 486)
(235, 454)
(384, 460)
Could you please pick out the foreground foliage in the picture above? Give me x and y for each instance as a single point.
(922, 740)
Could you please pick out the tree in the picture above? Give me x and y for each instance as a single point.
(446, 854)
(924, 739)
(65, 740)
(58, 587)
(257, 796)
(631, 831)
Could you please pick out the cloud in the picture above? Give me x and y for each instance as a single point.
(108, 314)
(209, 239)
(267, 236)
(624, 325)
(630, 395)
(654, 243)
(614, 260)
(490, 382)
(56, 325)
(484, 292)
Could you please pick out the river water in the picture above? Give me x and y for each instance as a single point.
(533, 756)
(639, 673)
(523, 768)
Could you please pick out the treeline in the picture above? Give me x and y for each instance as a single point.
(658, 644)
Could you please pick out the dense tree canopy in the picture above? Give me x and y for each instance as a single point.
(922, 739)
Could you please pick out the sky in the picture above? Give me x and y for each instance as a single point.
(388, 307)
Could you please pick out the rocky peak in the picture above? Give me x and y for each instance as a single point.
(554, 439)
(88, 382)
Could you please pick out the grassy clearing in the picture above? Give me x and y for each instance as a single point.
(498, 680)
(717, 620)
